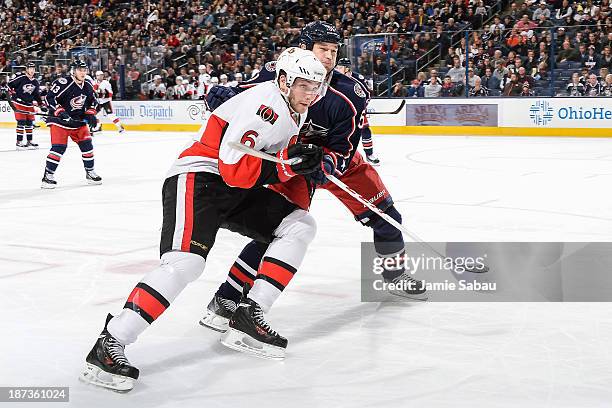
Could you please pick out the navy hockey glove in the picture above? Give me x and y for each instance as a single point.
(310, 160)
(63, 115)
(328, 166)
(219, 94)
(91, 120)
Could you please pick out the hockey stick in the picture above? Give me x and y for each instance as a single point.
(356, 196)
(394, 112)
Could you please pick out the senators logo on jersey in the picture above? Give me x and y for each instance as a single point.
(267, 114)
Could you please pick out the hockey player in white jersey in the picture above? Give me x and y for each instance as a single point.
(104, 94)
(211, 186)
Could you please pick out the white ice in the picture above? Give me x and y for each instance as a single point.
(71, 255)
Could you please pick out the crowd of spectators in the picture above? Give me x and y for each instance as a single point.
(511, 55)
(189, 45)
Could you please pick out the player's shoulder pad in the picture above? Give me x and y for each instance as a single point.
(350, 88)
(17, 76)
(62, 81)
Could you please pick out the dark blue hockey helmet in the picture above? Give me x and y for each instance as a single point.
(344, 62)
(30, 65)
(319, 31)
(77, 64)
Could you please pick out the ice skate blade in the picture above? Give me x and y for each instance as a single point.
(93, 182)
(236, 340)
(48, 186)
(94, 375)
(421, 298)
(214, 322)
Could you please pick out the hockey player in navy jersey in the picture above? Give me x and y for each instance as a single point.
(24, 91)
(344, 66)
(73, 104)
(332, 123)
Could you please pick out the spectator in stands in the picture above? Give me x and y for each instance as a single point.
(457, 72)
(432, 88)
(527, 91)
(592, 60)
(564, 11)
(433, 75)
(478, 89)
(606, 59)
(399, 90)
(512, 86)
(415, 89)
(542, 10)
(450, 58)
(607, 91)
(568, 53)
(448, 88)
(593, 86)
(501, 72)
(524, 77)
(542, 74)
(489, 81)
(471, 80)
(525, 24)
(575, 87)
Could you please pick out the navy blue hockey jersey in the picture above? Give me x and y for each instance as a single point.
(76, 100)
(334, 118)
(24, 91)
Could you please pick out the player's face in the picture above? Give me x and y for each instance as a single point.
(327, 54)
(303, 92)
(80, 73)
(30, 71)
(344, 70)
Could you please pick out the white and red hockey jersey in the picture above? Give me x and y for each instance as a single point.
(103, 90)
(259, 118)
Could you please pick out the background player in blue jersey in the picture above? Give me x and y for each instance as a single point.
(72, 101)
(24, 91)
(344, 66)
(332, 123)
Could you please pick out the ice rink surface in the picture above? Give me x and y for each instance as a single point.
(71, 255)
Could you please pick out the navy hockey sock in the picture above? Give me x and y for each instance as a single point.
(388, 240)
(244, 270)
(54, 157)
(87, 153)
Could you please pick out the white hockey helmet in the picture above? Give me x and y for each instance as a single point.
(214, 80)
(98, 73)
(296, 62)
(157, 77)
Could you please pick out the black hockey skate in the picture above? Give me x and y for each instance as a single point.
(250, 333)
(21, 146)
(373, 159)
(92, 177)
(106, 364)
(48, 181)
(408, 287)
(30, 145)
(218, 313)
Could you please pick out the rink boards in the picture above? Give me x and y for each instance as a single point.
(574, 117)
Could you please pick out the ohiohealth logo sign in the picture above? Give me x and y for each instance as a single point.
(541, 112)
